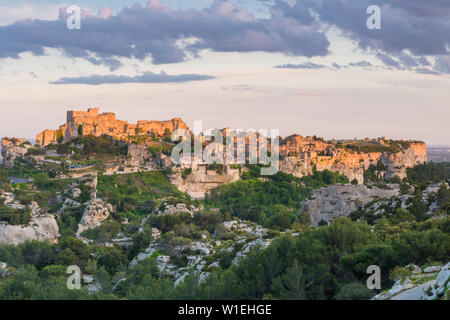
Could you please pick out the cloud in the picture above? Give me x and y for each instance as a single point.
(10, 14)
(334, 65)
(389, 61)
(146, 77)
(157, 31)
(363, 64)
(442, 64)
(411, 30)
(306, 65)
(112, 63)
(426, 71)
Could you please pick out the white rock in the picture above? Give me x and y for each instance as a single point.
(415, 269)
(203, 276)
(88, 278)
(442, 279)
(95, 213)
(156, 233)
(214, 265)
(40, 228)
(163, 259)
(180, 279)
(201, 247)
(339, 200)
(432, 269)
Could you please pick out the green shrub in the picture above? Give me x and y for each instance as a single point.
(354, 291)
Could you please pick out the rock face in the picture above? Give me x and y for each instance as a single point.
(13, 148)
(41, 227)
(201, 181)
(339, 200)
(243, 237)
(92, 123)
(140, 156)
(173, 209)
(435, 287)
(96, 211)
(300, 155)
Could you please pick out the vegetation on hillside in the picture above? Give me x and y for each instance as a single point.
(272, 202)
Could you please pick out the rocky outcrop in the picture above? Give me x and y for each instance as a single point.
(431, 285)
(92, 122)
(13, 148)
(340, 200)
(300, 155)
(243, 237)
(200, 181)
(140, 156)
(172, 209)
(41, 226)
(95, 213)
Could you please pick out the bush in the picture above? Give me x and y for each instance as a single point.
(399, 273)
(15, 216)
(107, 231)
(354, 291)
(186, 172)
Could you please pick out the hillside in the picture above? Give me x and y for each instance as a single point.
(140, 227)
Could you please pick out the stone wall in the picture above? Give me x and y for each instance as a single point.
(97, 124)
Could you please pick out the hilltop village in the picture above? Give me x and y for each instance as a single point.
(113, 189)
(299, 155)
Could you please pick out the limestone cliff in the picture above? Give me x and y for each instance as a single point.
(41, 227)
(95, 213)
(341, 200)
(198, 183)
(13, 148)
(92, 123)
(300, 155)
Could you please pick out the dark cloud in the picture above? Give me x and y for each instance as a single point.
(362, 64)
(411, 29)
(306, 65)
(442, 64)
(147, 77)
(426, 71)
(112, 63)
(424, 8)
(334, 65)
(389, 61)
(157, 31)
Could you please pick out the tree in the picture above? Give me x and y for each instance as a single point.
(354, 291)
(292, 284)
(443, 196)
(304, 218)
(405, 188)
(59, 136)
(167, 134)
(113, 260)
(418, 207)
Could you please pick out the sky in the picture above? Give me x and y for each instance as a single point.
(306, 66)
